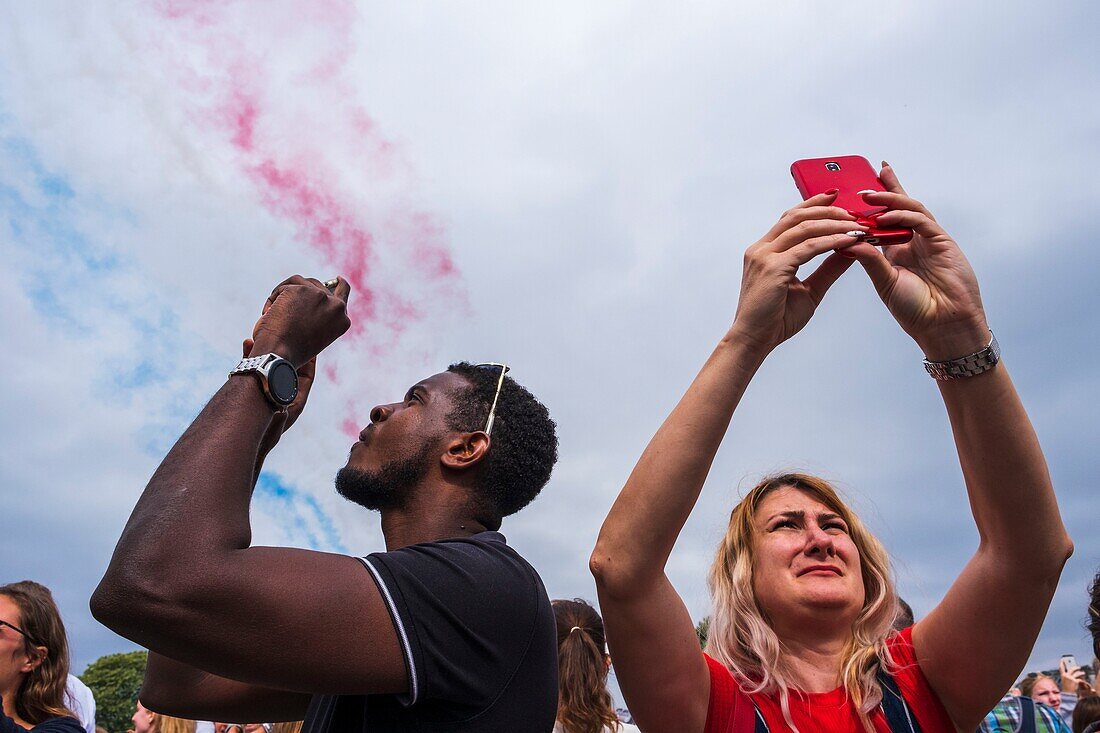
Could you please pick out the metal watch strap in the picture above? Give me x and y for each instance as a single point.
(966, 366)
(261, 366)
(252, 363)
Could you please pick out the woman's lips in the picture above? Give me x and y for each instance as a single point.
(832, 569)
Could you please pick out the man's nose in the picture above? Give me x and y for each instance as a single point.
(381, 413)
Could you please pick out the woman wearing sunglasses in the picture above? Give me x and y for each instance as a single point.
(34, 662)
(800, 635)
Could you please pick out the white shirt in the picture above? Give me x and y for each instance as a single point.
(81, 701)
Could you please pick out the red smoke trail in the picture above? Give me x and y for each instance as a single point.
(295, 174)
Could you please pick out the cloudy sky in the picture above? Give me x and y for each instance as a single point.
(568, 187)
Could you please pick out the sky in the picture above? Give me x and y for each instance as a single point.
(567, 187)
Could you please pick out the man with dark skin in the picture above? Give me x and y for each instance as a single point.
(449, 629)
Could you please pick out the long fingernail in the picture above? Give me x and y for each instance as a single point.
(866, 191)
(331, 284)
(831, 191)
(885, 164)
(856, 233)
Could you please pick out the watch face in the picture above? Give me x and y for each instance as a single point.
(282, 380)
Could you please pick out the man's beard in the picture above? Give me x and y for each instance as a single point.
(386, 488)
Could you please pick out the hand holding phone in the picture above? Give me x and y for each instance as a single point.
(852, 175)
(1073, 676)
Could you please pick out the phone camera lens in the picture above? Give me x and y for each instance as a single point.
(832, 166)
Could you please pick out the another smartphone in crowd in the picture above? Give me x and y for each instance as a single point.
(851, 174)
(1069, 662)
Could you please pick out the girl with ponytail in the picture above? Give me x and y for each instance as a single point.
(584, 704)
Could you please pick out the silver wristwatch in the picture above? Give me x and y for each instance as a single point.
(278, 377)
(966, 366)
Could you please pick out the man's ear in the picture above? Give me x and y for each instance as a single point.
(466, 450)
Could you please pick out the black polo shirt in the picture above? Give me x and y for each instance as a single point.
(477, 631)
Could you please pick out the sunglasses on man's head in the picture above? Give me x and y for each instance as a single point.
(500, 383)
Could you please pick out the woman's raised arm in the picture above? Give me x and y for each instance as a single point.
(651, 635)
(974, 644)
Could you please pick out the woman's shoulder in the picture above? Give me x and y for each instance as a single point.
(912, 684)
(65, 724)
(60, 724)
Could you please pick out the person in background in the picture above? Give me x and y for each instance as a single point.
(1022, 714)
(1074, 687)
(80, 700)
(584, 704)
(146, 721)
(34, 662)
(1086, 716)
(1042, 688)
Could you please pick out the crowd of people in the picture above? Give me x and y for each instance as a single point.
(450, 629)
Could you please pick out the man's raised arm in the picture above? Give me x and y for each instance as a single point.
(184, 581)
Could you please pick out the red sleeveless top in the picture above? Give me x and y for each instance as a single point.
(831, 711)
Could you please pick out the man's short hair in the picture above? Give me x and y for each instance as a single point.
(524, 444)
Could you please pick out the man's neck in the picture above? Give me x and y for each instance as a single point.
(413, 524)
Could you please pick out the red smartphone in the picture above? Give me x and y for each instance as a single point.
(851, 174)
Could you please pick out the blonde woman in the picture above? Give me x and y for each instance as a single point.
(800, 635)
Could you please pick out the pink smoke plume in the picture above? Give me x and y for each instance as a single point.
(224, 65)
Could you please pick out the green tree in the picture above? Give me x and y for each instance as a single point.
(702, 629)
(115, 680)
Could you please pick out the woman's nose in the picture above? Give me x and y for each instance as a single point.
(819, 541)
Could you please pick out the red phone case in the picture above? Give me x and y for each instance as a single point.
(850, 174)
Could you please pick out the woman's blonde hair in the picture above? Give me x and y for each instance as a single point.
(1027, 684)
(742, 639)
(168, 724)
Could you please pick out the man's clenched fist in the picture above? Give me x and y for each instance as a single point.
(301, 318)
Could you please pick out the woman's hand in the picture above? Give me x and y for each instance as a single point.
(774, 304)
(926, 283)
(1073, 679)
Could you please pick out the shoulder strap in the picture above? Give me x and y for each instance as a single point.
(898, 716)
(746, 718)
(1027, 715)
